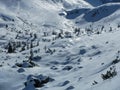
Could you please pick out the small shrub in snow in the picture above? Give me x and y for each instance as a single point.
(54, 68)
(77, 31)
(60, 35)
(67, 68)
(50, 51)
(82, 51)
(26, 64)
(117, 60)
(70, 88)
(37, 58)
(1, 65)
(37, 81)
(64, 83)
(95, 82)
(110, 73)
(68, 35)
(21, 70)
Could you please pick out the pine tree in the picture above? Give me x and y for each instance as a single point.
(10, 49)
(31, 45)
(31, 55)
(31, 52)
(23, 48)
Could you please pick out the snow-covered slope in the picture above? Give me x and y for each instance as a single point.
(59, 45)
(42, 11)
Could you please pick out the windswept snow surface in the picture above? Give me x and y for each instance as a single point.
(71, 44)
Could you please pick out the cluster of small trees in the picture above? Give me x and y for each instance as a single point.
(12, 46)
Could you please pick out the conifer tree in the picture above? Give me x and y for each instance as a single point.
(10, 48)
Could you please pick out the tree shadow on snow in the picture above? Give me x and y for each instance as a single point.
(75, 13)
(94, 2)
(100, 12)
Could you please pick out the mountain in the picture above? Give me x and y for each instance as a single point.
(59, 45)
